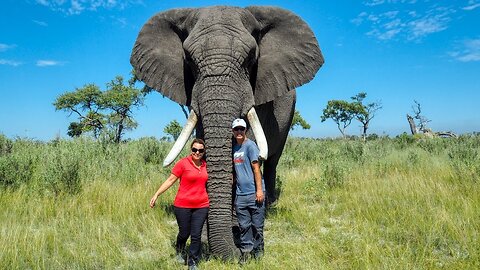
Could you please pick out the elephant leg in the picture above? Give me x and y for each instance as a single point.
(276, 118)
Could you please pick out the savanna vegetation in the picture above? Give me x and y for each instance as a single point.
(387, 203)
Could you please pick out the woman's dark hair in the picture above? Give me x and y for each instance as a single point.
(199, 141)
(202, 142)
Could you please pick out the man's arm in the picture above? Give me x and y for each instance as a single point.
(257, 174)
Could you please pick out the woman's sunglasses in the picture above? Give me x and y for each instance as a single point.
(194, 150)
(239, 128)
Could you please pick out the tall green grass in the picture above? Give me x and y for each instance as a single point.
(403, 203)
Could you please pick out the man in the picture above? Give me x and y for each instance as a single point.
(250, 190)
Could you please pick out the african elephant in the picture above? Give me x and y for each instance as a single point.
(225, 63)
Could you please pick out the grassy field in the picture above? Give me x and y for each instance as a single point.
(402, 203)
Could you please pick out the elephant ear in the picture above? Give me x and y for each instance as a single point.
(289, 53)
(158, 56)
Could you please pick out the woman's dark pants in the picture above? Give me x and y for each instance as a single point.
(190, 223)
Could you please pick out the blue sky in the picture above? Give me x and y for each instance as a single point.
(396, 51)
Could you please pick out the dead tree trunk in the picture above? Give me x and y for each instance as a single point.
(413, 127)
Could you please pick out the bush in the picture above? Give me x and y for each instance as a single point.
(151, 150)
(335, 174)
(465, 162)
(6, 145)
(403, 140)
(61, 172)
(15, 170)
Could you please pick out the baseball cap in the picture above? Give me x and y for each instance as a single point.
(239, 123)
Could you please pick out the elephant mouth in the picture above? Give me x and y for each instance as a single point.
(191, 123)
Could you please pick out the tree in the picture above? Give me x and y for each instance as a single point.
(299, 121)
(108, 111)
(422, 121)
(364, 113)
(341, 112)
(173, 129)
(119, 99)
(83, 102)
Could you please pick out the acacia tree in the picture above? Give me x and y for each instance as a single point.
(173, 129)
(298, 121)
(341, 112)
(107, 112)
(119, 99)
(84, 103)
(364, 112)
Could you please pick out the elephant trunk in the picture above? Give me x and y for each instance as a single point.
(217, 112)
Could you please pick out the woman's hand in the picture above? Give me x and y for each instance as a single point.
(166, 185)
(153, 200)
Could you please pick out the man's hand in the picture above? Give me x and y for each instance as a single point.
(260, 196)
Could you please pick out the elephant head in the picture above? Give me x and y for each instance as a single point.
(223, 62)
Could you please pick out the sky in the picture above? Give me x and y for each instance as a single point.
(397, 51)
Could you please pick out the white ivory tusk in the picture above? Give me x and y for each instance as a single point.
(182, 139)
(258, 132)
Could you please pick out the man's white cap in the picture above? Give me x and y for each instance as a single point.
(239, 123)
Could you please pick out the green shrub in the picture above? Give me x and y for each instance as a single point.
(151, 150)
(403, 140)
(15, 170)
(60, 172)
(335, 174)
(6, 145)
(465, 162)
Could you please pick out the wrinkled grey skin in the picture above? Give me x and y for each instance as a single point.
(220, 61)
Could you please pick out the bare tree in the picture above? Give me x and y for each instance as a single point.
(422, 121)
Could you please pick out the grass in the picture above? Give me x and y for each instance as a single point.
(403, 203)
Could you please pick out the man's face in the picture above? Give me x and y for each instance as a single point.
(239, 132)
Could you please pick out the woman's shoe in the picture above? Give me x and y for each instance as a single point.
(179, 258)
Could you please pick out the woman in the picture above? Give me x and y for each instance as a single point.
(191, 202)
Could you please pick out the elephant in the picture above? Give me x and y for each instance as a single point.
(226, 62)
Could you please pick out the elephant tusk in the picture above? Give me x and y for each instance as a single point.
(182, 139)
(258, 132)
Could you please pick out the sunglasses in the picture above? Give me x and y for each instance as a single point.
(239, 128)
(194, 150)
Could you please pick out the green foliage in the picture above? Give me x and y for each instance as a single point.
(364, 112)
(75, 129)
(5, 145)
(61, 171)
(109, 111)
(335, 174)
(173, 129)
(344, 205)
(298, 121)
(341, 112)
(15, 170)
(465, 162)
(151, 150)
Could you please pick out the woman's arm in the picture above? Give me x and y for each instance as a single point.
(166, 185)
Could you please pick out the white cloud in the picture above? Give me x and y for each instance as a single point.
(472, 4)
(4, 47)
(10, 62)
(469, 51)
(75, 7)
(411, 25)
(372, 3)
(49, 63)
(41, 23)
